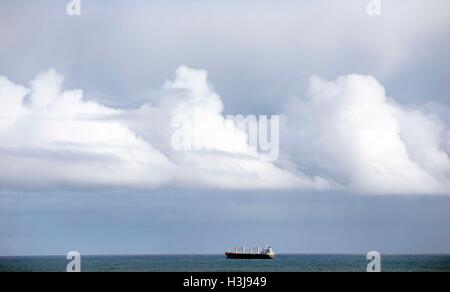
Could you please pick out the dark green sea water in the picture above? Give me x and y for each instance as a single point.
(218, 263)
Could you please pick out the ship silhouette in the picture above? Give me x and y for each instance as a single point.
(253, 253)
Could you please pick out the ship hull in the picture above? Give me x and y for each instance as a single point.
(249, 256)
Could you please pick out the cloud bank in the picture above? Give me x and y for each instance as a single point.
(346, 134)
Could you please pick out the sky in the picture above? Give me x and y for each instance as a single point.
(89, 107)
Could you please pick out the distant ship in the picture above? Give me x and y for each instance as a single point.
(253, 253)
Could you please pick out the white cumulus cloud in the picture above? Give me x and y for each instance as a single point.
(348, 129)
(52, 138)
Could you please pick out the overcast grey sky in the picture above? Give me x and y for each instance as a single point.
(365, 140)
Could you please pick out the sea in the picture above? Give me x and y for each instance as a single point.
(218, 263)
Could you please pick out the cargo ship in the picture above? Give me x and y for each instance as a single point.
(253, 253)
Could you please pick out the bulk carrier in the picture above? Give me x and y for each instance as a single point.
(253, 253)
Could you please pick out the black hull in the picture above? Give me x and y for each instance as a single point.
(248, 256)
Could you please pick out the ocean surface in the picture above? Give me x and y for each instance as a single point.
(218, 263)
